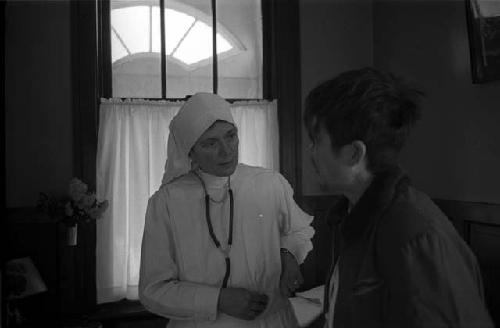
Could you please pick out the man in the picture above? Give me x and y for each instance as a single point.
(398, 261)
(222, 241)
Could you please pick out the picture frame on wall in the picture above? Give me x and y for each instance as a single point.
(483, 24)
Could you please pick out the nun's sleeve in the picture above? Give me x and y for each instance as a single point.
(160, 290)
(295, 224)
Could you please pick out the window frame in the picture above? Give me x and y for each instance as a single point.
(106, 77)
(281, 81)
(197, 16)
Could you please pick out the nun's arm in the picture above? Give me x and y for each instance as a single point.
(160, 291)
(295, 224)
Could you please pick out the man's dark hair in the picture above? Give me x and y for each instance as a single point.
(367, 105)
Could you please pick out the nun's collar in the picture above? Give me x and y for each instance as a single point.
(213, 181)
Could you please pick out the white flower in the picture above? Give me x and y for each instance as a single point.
(77, 189)
(88, 200)
(96, 212)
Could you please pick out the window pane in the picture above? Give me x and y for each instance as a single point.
(118, 49)
(189, 62)
(196, 46)
(240, 72)
(135, 48)
(177, 25)
(134, 36)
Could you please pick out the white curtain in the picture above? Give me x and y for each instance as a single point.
(131, 155)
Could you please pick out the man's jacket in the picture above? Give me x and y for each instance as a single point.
(402, 263)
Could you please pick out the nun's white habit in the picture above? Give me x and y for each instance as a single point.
(181, 269)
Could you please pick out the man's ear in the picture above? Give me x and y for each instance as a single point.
(357, 152)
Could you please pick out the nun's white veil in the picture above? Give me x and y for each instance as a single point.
(196, 115)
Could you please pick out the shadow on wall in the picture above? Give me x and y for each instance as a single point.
(452, 152)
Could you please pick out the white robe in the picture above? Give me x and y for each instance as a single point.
(182, 270)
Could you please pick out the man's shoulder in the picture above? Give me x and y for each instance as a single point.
(411, 214)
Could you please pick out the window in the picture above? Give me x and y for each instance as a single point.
(280, 78)
(186, 42)
(188, 35)
(164, 50)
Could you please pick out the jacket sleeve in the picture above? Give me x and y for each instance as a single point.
(434, 281)
(160, 290)
(295, 224)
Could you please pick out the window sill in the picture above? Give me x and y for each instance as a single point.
(123, 309)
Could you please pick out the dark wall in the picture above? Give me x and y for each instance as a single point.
(37, 100)
(336, 35)
(453, 152)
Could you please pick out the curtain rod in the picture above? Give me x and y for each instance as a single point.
(231, 100)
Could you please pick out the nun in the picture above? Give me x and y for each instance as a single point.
(222, 240)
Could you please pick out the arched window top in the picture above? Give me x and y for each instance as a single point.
(188, 34)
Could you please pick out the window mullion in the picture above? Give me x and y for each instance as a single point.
(183, 37)
(214, 47)
(268, 50)
(104, 48)
(150, 28)
(163, 51)
(121, 40)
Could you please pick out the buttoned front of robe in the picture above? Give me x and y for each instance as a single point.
(181, 268)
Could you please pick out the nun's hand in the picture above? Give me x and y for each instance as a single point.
(291, 277)
(242, 303)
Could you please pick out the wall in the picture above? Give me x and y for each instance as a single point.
(336, 35)
(453, 152)
(38, 154)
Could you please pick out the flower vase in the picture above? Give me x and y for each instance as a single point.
(72, 234)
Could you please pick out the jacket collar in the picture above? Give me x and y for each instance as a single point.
(376, 198)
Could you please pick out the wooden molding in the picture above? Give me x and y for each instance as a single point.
(282, 50)
(480, 212)
(85, 94)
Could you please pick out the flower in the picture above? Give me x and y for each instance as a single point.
(81, 205)
(77, 189)
(87, 201)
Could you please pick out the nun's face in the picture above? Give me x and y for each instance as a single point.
(216, 151)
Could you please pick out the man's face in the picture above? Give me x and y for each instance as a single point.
(331, 166)
(216, 151)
